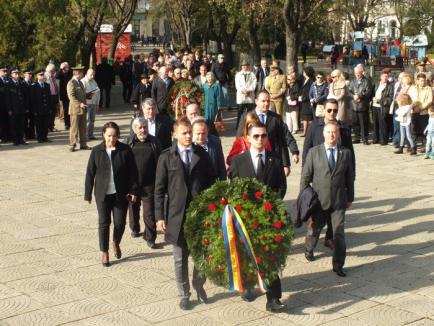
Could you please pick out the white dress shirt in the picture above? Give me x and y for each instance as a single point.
(254, 156)
(111, 188)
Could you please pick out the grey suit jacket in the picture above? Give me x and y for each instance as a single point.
(335, 189)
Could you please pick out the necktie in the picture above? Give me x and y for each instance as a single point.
(262, 118)
(260, 168)
(332, 162)
(187, 159)
(245, 77)
(42, 85)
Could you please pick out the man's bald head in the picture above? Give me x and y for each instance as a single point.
(192, 111)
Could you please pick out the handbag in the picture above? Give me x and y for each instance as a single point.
(319, 110)
(218, 121)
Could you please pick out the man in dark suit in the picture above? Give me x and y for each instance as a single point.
(126, 77)
(275, 128)
(267, 168)
(64, 75)
(329, 168)
(4, 116)
(158, 125)
(160, 90)
(261, 74)
(105, 77)
(361, 89)
(29, 122)
(315, 136)
(211, 144)
(183, 171)
(17, 107)
(40, 106)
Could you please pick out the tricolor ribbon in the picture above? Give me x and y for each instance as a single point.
(232, 222)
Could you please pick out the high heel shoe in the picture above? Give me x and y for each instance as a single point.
(105, 259)
(201, 295)
(117, 250)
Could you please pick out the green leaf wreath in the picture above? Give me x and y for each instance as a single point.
(181, 94)
(265, 218)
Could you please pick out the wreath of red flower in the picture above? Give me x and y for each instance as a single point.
(181, 94)
(265, 220)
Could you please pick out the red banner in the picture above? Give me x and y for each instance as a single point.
(103, 42)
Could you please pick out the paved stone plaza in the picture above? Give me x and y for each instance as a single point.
(50, 270)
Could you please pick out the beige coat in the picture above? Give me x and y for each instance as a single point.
(76, 95)
(422, 98)
(339, 91)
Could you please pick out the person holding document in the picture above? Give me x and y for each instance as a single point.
(93, 94)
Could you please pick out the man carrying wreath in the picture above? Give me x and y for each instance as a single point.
(183, 171)
(267, 168)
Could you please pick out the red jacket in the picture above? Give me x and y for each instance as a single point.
(241, 145)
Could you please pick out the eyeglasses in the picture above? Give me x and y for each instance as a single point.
(332, 110)
(256, 136)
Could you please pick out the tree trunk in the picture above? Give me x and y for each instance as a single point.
(292, 45)
(254, 40)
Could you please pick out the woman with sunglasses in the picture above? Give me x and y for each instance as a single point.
(318, 95)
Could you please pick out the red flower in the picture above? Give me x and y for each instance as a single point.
(278, 238)
(206, 242)
(258, 195)
(212, 207)
(258, 260)
(184, 100)
(220, 222)
(209, 259)
(238, 208)
(245, 196)
(223, 201)
(219, 269)
(255, 224)
(268, 206)
(248, 215)
(278, 225)
(172, 97)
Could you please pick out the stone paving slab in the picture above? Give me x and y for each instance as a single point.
(50, 272)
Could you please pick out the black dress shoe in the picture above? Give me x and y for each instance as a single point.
(366, 142)
(274, 305)
(309, 256)
(151, 244)
(184, 304)
(85, 147)
(201, 295)
(135, 234)
(339, 272)
(248, 296)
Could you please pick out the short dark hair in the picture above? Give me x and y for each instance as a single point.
(255, 124)
(264, 91)
(113, 125)
(320, 73)
(421, 75)
(331, 100)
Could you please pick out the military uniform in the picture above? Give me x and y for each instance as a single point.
(16, 109)
(40, 108)
(29, 120)
(4, 116)
(77, 113)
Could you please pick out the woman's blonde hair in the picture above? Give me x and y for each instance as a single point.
(339, 76)
(251, 117)
(407, 79)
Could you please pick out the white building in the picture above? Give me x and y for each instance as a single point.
(143, 23)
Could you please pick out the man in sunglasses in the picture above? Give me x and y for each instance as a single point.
(315, 137)
(267, 168)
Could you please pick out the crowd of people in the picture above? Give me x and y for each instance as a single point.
(162, 164)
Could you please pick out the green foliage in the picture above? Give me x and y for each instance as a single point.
(266, 221)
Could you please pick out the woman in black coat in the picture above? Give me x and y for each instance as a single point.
(113, 172)
(306, 110)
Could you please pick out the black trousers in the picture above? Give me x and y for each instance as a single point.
(361, 125)
(180, 257)
(127, 89)
(380, 126)
(111, 205)
(275, 289)
(314, 230)
(41, 122)
(54, 104)
(17, 122)
(241, 109)
(29, 126)
(147, 203)
(105, 91)
(5, 126)
(66, 117)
